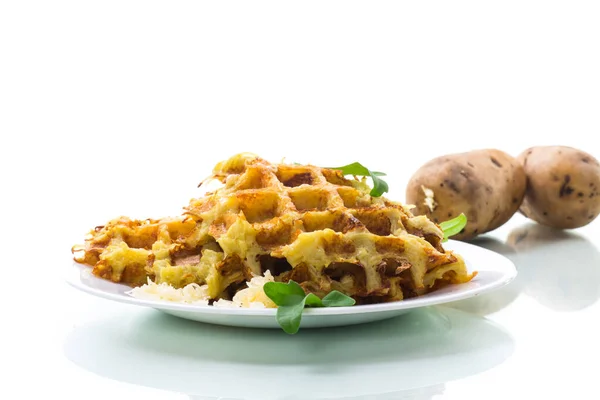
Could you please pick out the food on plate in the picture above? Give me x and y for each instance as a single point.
(291, 299)
(251, 297)
(563, 186)
(278, 224)
(488, 186)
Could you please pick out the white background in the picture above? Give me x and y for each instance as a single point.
(121, 107)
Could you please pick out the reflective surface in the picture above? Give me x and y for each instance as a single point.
(559, 269)
(392, 356)
(533, 338)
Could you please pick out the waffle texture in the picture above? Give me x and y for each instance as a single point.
(300, 222)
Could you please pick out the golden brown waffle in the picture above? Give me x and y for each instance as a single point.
(300, 222)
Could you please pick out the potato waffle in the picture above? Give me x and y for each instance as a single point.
(300, 222)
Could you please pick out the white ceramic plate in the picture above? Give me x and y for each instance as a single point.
(494, 271)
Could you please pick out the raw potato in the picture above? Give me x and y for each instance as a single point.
(486, 185)
(563, 189)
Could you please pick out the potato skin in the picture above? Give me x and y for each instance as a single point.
(563, 186)
(486, 185)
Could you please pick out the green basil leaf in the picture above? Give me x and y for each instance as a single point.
(379, 185)
(284, 294)
(289, 317)
(337, 299)
(291, 301)
(312, 300)
(355, 168)
(453, 226)
(377, 173)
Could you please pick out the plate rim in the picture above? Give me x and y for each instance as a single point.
(508, 270)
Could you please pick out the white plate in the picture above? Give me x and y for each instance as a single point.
(494, 271)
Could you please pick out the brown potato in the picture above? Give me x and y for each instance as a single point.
(486, 185)
(563, 186)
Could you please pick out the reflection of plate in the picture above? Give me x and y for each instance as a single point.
(559, 268)
(493, 269)
(410, 357)
(498, 299)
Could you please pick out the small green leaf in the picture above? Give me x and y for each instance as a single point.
(376, 173)
(379, 185)
(291, 300)
(453, 226)
(337, 299)
(312, 300)
(284, 294)
(355, 168)
(289, 317)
